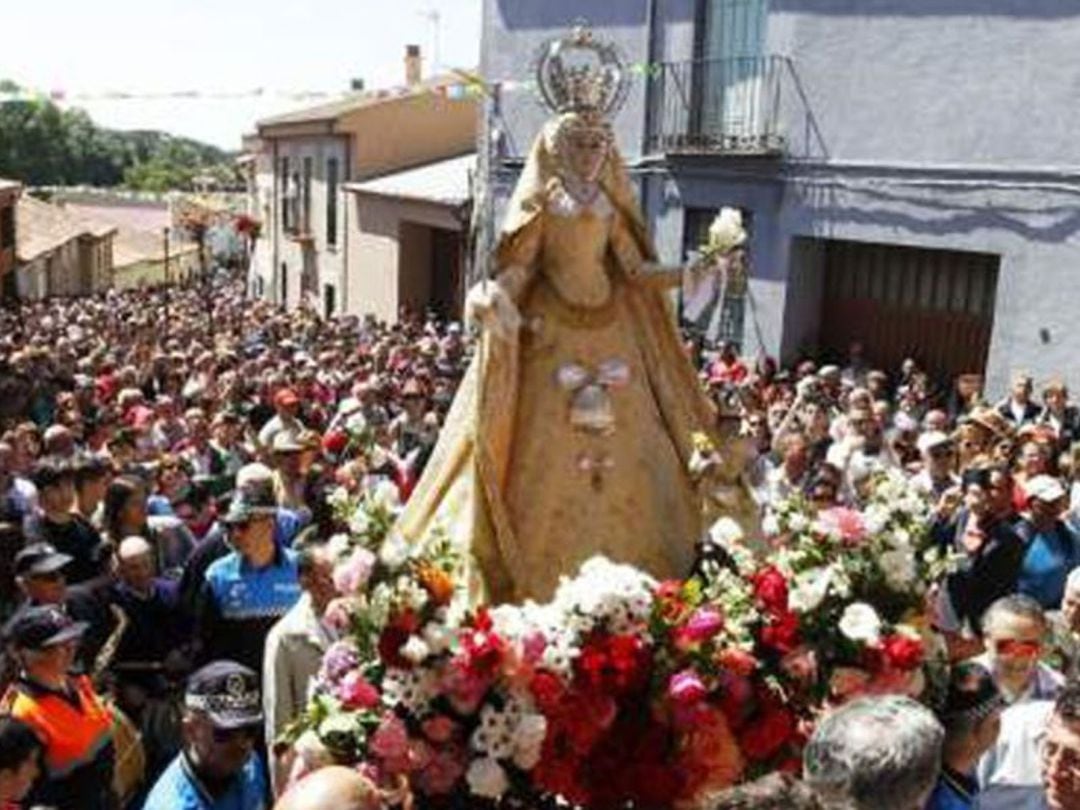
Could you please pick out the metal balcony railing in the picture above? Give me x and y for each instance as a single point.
(712, 106)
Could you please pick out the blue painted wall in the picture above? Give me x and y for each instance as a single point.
(949, 124)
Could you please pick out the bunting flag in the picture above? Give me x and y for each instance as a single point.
(467, 85)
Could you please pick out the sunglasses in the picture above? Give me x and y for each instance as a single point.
(1018, 649)
(228, 735)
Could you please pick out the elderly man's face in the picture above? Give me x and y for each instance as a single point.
(1061, 763)
(137, 571)
(1015, 643)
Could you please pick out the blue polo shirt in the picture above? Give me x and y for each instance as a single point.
(178, 788)
(1049, 558)
(241, 603)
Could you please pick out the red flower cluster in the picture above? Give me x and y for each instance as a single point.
(780, 632)
(903, 652)
(616, 665)
(395, 636)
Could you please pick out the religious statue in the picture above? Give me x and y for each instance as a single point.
(572, 431)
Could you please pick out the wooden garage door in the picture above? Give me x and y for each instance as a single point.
(934, 305)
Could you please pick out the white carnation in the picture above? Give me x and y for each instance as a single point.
(487, 778)
(899, 568)
(799, 522)
(861, 623)
(810, 589)
(394, 552)
(770, 526)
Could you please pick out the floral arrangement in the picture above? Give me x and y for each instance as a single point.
(848, 590)
(621, 691)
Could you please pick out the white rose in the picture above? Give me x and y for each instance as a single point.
(726, 231)
(726, 532)
(415, 650)
(486, 778)
(811, 588)
(861, 623)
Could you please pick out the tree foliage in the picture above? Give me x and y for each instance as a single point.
(43, 145)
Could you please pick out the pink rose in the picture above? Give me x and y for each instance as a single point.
(703, 624)
(686, 688)
(844, 523)
(356, 692)
(390, 740)
(352, 575)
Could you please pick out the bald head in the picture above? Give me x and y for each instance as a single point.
(332, 788)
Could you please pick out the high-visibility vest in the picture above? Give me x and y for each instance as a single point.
(73, 736)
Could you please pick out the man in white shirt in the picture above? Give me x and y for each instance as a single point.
(295, 648)
(937, 475)
(1010, 777)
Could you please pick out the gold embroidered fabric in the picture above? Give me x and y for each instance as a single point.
(516, 483)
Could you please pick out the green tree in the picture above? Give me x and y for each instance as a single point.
(41, 144)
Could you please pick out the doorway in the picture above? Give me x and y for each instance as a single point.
(934, 305)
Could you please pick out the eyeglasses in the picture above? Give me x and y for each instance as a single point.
(1018, 649)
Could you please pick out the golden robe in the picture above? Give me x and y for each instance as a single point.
(515, 480)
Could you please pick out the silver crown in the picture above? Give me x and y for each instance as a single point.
(578, 73)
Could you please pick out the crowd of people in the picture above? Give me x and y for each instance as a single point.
(166, 462)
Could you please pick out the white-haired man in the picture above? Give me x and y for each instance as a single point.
(1065, 629)
(880, 753)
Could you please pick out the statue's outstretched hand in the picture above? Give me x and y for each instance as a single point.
(490, 306)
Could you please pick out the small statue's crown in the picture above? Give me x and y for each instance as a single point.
(578, 73)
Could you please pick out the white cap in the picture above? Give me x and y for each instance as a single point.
(931, 439)
(1044, 488)
(133, 546)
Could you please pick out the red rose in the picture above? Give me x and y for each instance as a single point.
(771, 590)
(765, 736)
(903, 652)
(782, 633)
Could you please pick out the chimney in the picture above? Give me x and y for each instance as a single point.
(412, 64)
(357, 85)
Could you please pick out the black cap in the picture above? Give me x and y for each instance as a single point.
(42, 626)
(972, 694)
(39, 558)
(228, 693)
(250, 501)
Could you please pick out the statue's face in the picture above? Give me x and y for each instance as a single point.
(586, 150)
